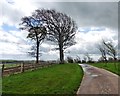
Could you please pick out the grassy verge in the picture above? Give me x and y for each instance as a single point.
(109, 67)
(58, 79)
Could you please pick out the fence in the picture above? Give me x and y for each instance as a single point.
(23, 67)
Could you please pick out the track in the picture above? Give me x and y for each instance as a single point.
(98, 81)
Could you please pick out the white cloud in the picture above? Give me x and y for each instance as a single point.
(87, 42)
(13, 11)
(27, 7)
(45, 45)
(13, 43)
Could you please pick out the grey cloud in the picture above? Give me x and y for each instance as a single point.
(88, 14)
(98, 14)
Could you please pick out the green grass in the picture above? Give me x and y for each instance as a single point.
(57, 79)
(109, 66)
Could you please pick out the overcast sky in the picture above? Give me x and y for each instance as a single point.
(95, 21)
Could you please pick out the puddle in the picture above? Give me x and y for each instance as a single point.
(94, 75)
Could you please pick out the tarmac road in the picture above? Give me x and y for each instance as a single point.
(98, 81)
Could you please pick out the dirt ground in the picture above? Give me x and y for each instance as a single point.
(98, 81)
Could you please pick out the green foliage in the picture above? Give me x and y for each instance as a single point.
(57, 79)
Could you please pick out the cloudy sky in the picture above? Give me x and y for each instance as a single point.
(95, 21)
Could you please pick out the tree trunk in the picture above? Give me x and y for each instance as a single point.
(61, 54)
(61, 49)
(37, 53)
(61, 57)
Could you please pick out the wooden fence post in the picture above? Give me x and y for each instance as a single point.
(22, 67)
(2, 69)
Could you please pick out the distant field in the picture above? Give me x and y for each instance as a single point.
(109, 66)
(57, 79)
(11, 65)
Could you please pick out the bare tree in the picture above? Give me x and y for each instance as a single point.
(70, 59)
(37, 31)
(102, 49)
(84, 59)
(101, 59)
(103, 53)
(61, 29)
(78, 59)
(89, 59)
(111, 50)
(107, 48)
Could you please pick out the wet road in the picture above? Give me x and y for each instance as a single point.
(98, 81)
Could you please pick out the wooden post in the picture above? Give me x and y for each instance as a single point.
(22, 67)
(2, 69)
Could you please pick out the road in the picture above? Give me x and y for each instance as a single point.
(98, 81)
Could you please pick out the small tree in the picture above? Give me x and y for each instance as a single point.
(107, 48)
(37, 31)
(111, 51)
(102, 49)
(89, 59)
(70, 59)
(78, 60)
(101, 59)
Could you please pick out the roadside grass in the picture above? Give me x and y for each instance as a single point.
(109, 67)
(57, 79)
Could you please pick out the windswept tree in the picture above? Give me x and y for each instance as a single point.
(37, 31)
(89, 59)
(70, 59)
(107, 48)
(78, 59)
(111, 50)
(103, 51)
(61, 29)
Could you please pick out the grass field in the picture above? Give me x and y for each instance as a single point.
(109, 66)
(57, 79)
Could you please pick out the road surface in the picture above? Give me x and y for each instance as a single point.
(98, 81)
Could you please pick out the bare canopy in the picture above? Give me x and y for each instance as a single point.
(37, 32)
(61, 29)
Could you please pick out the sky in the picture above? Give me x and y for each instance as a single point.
(96, 20)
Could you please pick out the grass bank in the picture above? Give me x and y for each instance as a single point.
(57, 79)
(109, 66)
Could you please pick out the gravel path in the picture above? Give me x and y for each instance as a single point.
(98, 81)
